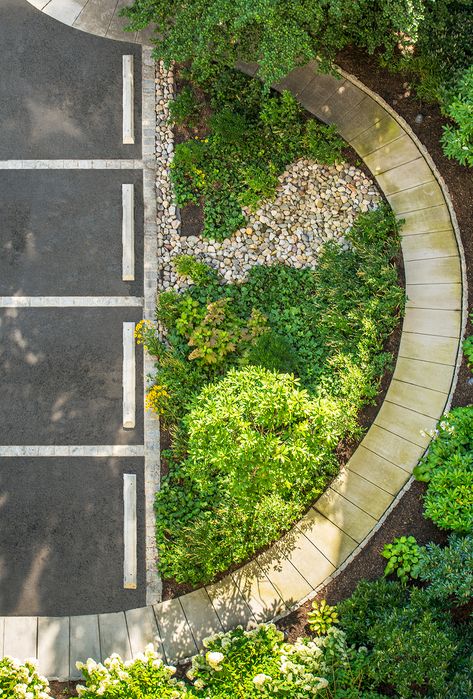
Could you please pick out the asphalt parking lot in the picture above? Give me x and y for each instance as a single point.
(63, 305)
(61, 540)
(61, 233)
(60, 91)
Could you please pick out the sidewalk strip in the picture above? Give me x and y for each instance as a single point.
(118, 164)
(89, 451)
(128, 103)
(67, 301)
(129, 376)
(129, 531)
(128, 232)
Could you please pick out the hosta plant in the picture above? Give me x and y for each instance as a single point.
(321, 617)
(403, 558)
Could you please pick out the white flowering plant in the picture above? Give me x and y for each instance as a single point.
(21, 680)
(143, 677)
(258, 663)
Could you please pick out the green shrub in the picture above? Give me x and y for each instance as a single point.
(449, 498)
(457, 140)
(411, 644)
(403, 558)
(257, 663)
(449, 570)
(216, 34)
(468, 348)
(272, 351)
(184, 108)
(369, 604)
(144, 677)
(254, 439)
(448, 470)
(411, 650)
(20, 680)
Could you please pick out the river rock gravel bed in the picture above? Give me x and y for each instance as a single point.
(314, 203)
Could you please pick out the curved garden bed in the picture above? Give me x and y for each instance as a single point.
(274, 330)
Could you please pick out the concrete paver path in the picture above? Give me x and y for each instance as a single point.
(354, 506)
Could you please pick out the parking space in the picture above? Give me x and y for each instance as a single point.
(62, 371)
(52, 560)
(61, 233)
(61, 89)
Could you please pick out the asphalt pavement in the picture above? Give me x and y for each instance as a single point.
(61, 365)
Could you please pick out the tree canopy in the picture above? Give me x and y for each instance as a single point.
(275, 33)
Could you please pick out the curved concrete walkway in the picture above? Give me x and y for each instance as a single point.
(356, 503)
(100, 17)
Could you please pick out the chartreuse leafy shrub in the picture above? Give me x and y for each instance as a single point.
(258, 383)
(253, 137)
(258, 448)
(448, 470)
(21, 680)
(449, 570)
(403, 558)
(144, 677)
(412, 645)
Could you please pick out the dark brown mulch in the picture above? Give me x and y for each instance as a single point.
(63, 690)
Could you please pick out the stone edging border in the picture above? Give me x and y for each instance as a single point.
(356, 504)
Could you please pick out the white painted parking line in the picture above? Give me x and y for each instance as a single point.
(129, 376)
(128, 232)
(67, 301)
(118, 164)
(129, 532)
(88, 451)
(128, 102)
